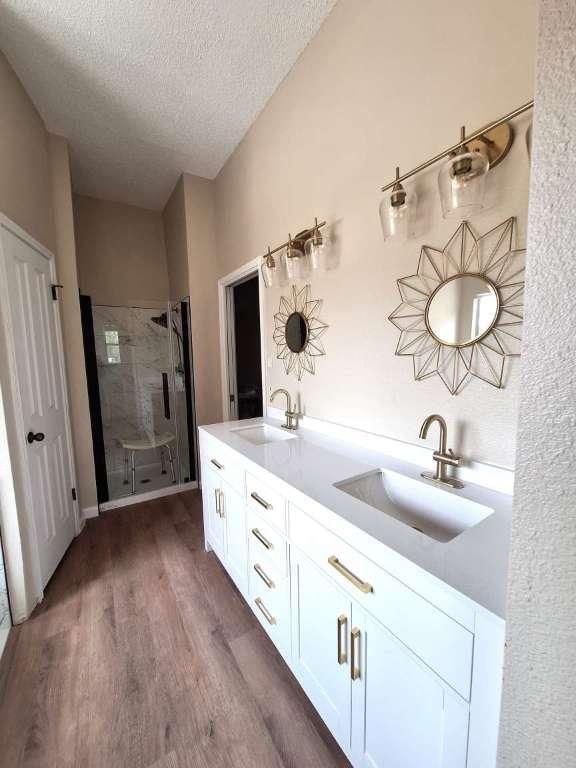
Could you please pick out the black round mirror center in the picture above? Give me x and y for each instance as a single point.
(296, 332)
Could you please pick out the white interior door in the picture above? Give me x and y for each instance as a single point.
(34, 336)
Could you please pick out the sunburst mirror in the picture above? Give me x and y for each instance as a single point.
(461, 313)
(297, 331)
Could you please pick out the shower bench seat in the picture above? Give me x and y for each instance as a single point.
(161, 442)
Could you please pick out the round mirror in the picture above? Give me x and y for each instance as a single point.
(296, 332)
(462, 310)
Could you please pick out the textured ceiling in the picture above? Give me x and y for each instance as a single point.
(146, 89)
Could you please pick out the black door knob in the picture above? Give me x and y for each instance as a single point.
(32, 436)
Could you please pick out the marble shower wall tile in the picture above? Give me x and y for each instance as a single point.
(132, 352)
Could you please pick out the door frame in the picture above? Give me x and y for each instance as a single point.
(16, 508)
(227, 350)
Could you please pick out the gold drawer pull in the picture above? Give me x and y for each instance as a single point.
(260, 500)
(265, 578)
(266, 613)
(342, 622)
(363, 586)
(262, 539)
(355, 643)
(217, 464)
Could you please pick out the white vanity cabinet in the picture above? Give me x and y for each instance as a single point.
(403, 677)
(321, 630)
(377, 697)
(402, 708)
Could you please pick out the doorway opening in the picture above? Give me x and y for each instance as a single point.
(244, 395)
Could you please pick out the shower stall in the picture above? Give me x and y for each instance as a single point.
(139, 369)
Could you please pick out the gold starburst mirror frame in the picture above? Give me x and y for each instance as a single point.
(461, 313)
(297, 331)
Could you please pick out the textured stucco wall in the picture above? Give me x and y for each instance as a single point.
(539, 704)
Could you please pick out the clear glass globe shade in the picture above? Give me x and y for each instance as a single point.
(274, 272)
(297, 264)
(398, 221)
(462, 184)
(317, 250)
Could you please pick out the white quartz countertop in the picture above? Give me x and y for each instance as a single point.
(475, 563)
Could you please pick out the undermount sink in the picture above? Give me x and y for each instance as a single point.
(435, 512)
(263, 434)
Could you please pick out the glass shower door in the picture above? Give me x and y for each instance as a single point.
(136, 383)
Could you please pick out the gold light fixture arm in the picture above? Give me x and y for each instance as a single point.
(302, 236)
(479, 134)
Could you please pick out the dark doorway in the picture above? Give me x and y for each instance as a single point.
(247, 348)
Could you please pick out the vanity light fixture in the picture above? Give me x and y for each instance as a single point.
(462, 179)
(397, 212)
(294, 260)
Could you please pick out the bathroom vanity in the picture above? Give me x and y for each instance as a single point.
(383, 592)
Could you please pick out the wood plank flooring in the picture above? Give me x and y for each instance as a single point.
(144, 655)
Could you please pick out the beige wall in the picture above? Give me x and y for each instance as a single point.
(203, 268)
(71, 322)
(120, 252)
(25, 182)
(382, 84)
(175, 237)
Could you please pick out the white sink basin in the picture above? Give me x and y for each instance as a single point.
(263, 434)
(438, 514)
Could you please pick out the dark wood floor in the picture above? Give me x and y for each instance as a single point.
(144, 655)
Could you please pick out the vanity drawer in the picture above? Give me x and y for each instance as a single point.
(266, 501)
(272, 608)
(442, 643)
(266, 545)
(224, 463)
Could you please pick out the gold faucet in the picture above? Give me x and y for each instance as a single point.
(443, 457)
(291, 416)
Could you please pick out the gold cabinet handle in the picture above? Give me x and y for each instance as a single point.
(265, 612)
(221, 497)
(355, 645)
(262, 539)
(260, 500)
(341, 623)
(217, 464)
(363, 586)
(265, 578)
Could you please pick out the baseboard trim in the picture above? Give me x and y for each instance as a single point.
(129, 501)
(89, 512)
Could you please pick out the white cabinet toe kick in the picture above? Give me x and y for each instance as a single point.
(400, 676)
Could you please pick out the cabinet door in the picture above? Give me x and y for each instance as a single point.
(213, 510)
(404, 716)
(234, 510)
(321, 644)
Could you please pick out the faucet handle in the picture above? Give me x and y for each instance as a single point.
(447, 458)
